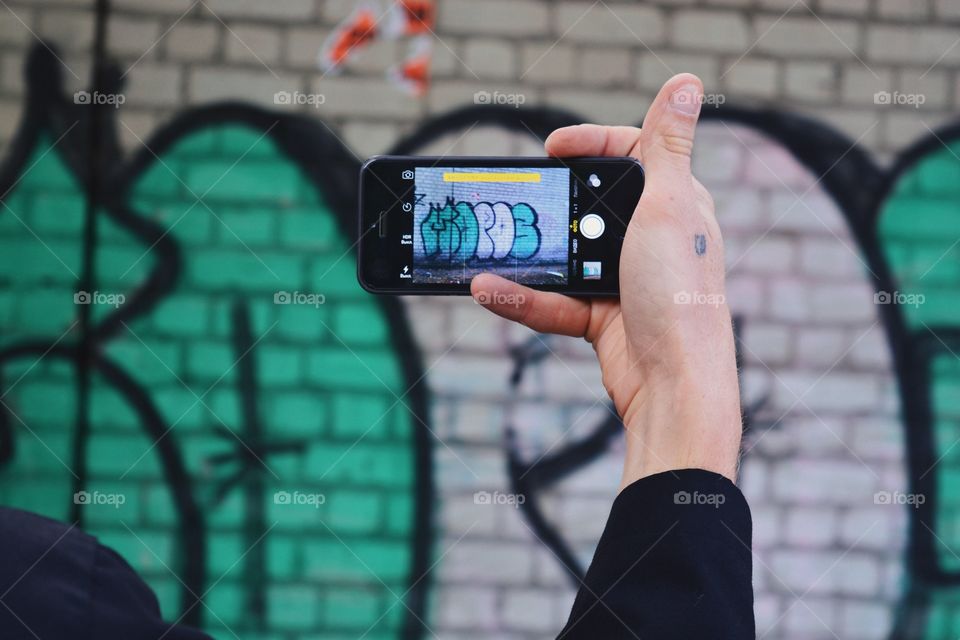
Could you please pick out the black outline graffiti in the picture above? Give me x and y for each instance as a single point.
(438, 255)
(330, 168)
(859, 187)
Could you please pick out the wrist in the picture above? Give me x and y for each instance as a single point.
(686, 414)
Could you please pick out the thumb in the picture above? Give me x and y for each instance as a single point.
(668, 130)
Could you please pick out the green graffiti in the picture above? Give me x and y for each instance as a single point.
(918, 226)
(307, 486)
(459, 231)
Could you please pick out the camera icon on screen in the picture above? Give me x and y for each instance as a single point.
(407, 174)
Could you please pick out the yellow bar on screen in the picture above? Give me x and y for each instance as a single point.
(485, 176)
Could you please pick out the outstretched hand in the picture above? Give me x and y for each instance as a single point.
(666, 346)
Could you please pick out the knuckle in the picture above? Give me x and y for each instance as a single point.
(678, 144)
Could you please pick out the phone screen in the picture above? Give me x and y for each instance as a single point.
(511, 221)
(546, 223)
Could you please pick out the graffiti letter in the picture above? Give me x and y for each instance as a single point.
(527, 237)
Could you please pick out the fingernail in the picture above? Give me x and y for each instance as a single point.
(686, 99)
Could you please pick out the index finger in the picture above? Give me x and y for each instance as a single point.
(543, 311)
(594, 140)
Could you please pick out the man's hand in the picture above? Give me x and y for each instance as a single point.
(666, 347)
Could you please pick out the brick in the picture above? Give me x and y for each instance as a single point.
(723, 32)
(177, 7)
(526, 17)
(924, 45)
(811, 81)
(609, 23)
(136, 128)
(947, 8)
(753, 77)
(132, 36)
(807, 36)
(822, 346)
(153, 85)
(192, 41)
(303, 43)
(613, 107)
(287, 11)
(12, 30)
(184, 316)
(547, 62)
(932, 84)
(490, 58)
(656, 67)
(71, 30)
(815, 616)
(529, 610)
(606, 67)
(810, 526)
(830, 258)
(252, 44)
(903, 10)
(829, 481)
(351, 608)
(291, 607)
(367, 138)
(466, 607)
(771, 255)
(207, 84)
(768, 342)
(358, 97)
(865, 619)
(479, 563)
(255, 227)
(851, 7)
(860, 84)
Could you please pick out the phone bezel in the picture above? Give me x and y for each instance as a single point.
(369, 213)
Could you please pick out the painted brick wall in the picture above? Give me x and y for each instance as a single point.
(811, 342)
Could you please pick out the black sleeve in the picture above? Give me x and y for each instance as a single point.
(674, 562)
(58, 583)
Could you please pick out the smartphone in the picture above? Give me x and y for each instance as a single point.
(428, 225)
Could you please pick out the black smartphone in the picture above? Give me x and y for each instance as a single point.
(428, 225)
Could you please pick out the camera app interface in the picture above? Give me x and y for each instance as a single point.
(509, 221)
